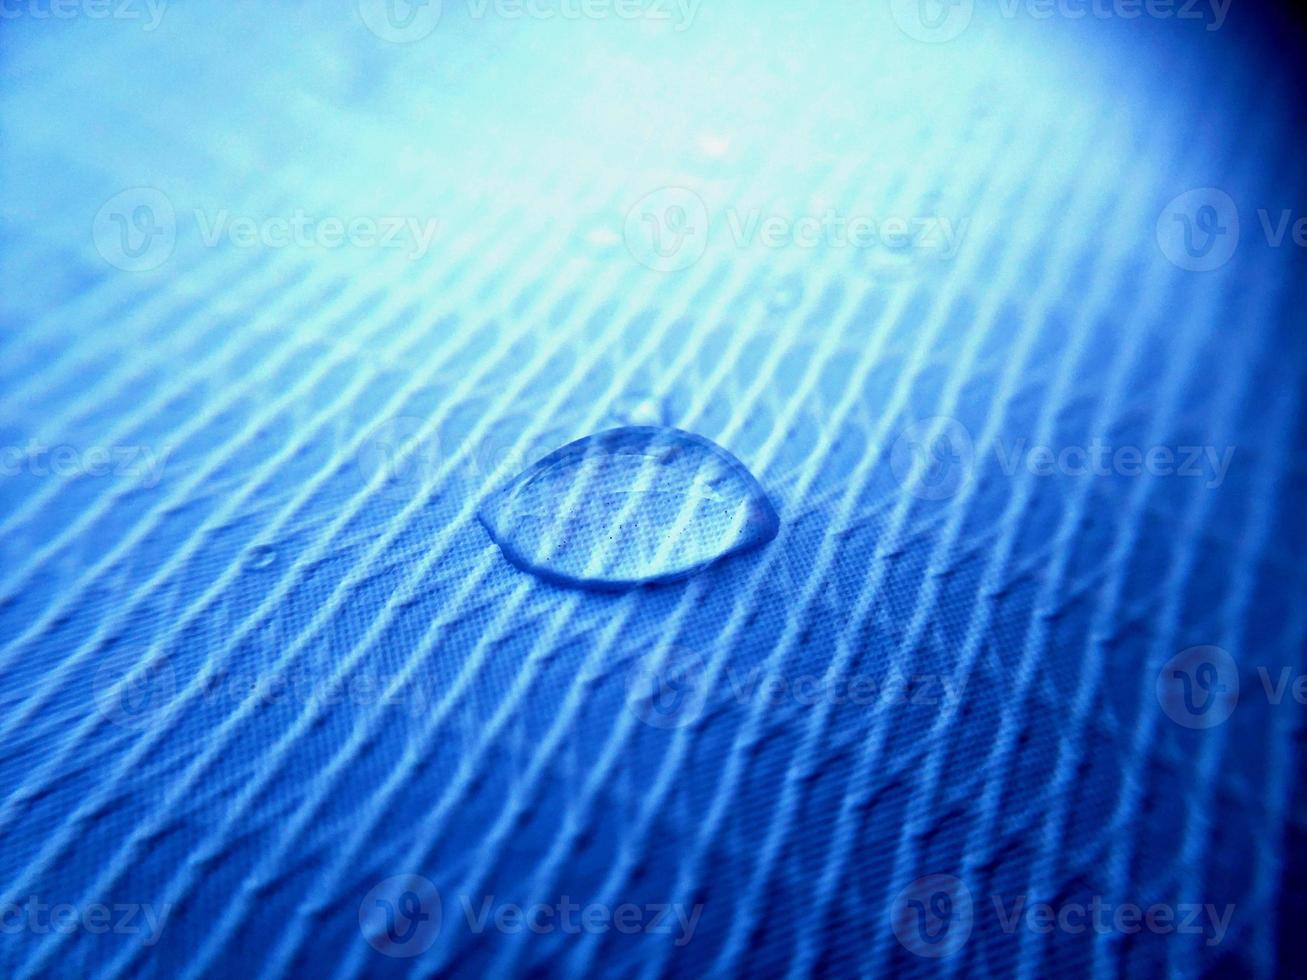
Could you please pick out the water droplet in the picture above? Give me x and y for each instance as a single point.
(627, 507)
(888, 265)
(602, 239)
(261, 556)
(640, 408)
(786, 295)
(714, 145)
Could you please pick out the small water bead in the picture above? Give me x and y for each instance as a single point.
(261, 556)
(785, 295)
(631, 506)
(640, 409)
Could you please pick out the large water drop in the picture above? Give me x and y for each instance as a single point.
(627, 507)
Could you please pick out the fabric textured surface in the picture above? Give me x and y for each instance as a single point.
(259, 656)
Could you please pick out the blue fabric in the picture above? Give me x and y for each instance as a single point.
(259, 657)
